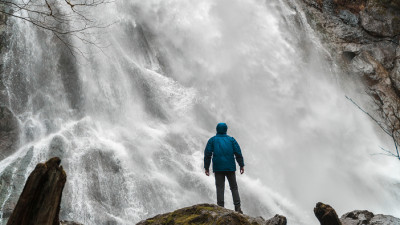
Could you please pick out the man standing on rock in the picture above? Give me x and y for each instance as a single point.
(223, 149)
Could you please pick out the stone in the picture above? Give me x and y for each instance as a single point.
(395, 75)
(365, 217)
(276, 220)
(361, 64)
(210, 214)
(348, 17)
(326, 214)
(40, 200)
(380, 20)
(9, 130)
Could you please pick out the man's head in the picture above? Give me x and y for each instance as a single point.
(222, 128)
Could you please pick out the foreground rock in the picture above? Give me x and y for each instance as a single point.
(40, 200)
(210, 214)
(327, 216)
(367, 218)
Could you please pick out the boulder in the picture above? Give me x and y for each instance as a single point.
(210, 214)
(40, 200)
(367, 218)
(276, 220)
(326, 214)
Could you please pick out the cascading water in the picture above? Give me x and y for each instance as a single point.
(130, 122)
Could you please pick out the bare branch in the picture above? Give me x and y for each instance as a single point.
(391, 131)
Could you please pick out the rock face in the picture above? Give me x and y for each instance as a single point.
(326, 214)
(9, 130)
(363, 37)
(210, 214)
(40, 200)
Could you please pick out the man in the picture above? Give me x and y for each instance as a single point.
(223, 149)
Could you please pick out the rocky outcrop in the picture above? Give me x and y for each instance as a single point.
(40, 200)
(367, 218)
(210, 214)
(9, 130)
(363, 37)
(326, 214)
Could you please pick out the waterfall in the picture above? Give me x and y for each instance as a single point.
(130, 119)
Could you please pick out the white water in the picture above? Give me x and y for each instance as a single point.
(131, 124)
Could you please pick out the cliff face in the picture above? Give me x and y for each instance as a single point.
(363, 37)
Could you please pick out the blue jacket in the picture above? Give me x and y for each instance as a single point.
(222, 149)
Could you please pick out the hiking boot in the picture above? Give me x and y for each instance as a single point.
(238, 209)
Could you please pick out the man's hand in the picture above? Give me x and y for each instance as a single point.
(207, 172)
(241, 170)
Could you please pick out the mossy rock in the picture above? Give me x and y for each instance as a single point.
(204, 214)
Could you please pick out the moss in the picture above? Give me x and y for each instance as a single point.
(232, 219)
(208, 208)
(186, 216)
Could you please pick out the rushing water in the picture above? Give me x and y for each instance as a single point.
(130, 122)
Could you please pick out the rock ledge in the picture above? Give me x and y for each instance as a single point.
(210, 214)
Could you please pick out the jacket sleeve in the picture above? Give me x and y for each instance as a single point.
(208, 152)
(238, 153)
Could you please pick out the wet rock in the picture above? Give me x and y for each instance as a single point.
(12, 181)
(326, 214)
(367, 218)
(40, 200)
(209, 214)
(57, 147)
(9, 130)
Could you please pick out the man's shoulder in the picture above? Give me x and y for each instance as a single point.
(224, 136)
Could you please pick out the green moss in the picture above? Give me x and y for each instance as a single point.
(208, 208)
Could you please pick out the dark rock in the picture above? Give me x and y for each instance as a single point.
(9, 130)
(40, 200)
(348, 17)
(209, 214)
(326, 214)
(365, 217)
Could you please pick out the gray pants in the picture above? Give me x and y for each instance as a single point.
(220, 183)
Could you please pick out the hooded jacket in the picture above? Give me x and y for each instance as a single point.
(223, 150)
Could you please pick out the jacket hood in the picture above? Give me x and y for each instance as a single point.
(222, 128)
